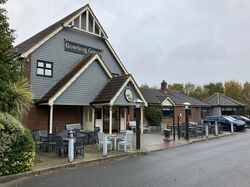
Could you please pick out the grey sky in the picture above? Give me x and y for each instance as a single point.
(196, 41)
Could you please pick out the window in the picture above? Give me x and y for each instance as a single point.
(115, 74)
(98, 113)
(167, 112)
(44, 68)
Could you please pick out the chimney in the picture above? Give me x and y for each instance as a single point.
(164, 86)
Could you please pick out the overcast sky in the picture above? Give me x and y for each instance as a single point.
(198, 41)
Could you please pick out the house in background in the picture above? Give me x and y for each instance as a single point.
(171, 104)
(76, 77)
(223, 105)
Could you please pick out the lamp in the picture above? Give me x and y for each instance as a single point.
(187, 108)
(137, 104)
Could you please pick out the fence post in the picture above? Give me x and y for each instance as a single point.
(104, 146)
(206, 128)
(216, 128)
(232, 127)
(71, 146)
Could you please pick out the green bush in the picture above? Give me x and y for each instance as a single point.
(153, 115)
(17, 150)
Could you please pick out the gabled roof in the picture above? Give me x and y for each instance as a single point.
(113, 89)
(157, 96)
(70, 77)
(219, 99)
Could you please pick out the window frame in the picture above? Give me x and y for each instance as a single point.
(171, 112)
(44, 68)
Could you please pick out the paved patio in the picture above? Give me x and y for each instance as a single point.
(149, 142)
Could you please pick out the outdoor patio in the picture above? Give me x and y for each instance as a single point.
(149, 142)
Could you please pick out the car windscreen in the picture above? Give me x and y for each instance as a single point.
(229, 118)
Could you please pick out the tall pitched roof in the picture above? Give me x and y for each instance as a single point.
(219, 99)
(157, 96)
(69, 76)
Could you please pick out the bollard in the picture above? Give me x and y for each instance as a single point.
(206, 128)
(216, 128)
(104, 146)
(232, 127)
(71, 146)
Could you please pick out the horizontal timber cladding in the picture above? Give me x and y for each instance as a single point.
(86, 87)
(54, 51)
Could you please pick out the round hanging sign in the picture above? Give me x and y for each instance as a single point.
(128, 95)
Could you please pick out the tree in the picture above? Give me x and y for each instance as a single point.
(176, 86)
(233, 90)
(10, 75)
(188, 88)
(197, 93)
(153, 115)
(246, 96)
(212, 88)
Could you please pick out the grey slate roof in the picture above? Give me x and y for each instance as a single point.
(61, 83)
(157, 96)
(218, 99)
(111, 88)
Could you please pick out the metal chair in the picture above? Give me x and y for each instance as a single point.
(60, 147)
(79, 145)
(127, 142)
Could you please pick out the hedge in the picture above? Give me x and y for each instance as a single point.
(153, 115)
(17, 150)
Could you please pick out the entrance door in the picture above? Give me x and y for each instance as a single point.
(123, 113)
(106, 119)
(88, 118)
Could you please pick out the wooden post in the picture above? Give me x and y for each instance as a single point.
(110, 120)
(51, 119)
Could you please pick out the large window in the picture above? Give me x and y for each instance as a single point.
(44, 68)
(167, 112)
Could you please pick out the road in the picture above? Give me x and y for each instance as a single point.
(219, 162)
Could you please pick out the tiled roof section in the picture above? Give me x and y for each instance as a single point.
(157, 96)
(218, 99)
(111, 88)
(27, 44)
(61, 83)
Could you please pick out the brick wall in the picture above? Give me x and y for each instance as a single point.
(38, 117)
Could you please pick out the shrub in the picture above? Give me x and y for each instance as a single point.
(153, 115)
(17, 150)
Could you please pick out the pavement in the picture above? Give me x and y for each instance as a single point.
(48, 162)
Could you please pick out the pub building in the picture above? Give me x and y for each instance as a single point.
(76, 77)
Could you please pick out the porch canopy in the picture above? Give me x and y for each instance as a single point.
(119, 91)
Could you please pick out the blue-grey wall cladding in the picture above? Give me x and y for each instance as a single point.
(63, 61)
(121, 100)
(86, 87)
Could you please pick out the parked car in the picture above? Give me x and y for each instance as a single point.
(242, 118)
(225, 121)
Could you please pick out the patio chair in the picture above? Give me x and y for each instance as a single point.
(79, 145)
(51, 142)
(40, 138)
(127, 142)
(60, 147)
(100, 140)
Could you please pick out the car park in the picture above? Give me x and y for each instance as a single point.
(226, 121)
(243, 118)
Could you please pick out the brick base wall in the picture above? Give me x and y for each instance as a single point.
(38, 117)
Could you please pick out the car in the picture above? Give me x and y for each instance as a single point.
(226, 121)
(243, 118)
